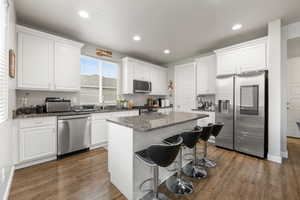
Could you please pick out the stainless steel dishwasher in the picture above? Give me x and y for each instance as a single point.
(74, 133)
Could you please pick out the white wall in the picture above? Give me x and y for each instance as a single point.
(274, 64)
(6, 128)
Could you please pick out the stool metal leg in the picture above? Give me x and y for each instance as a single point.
(193, 170)
(155, 195)
(176, 184)
(205, 161)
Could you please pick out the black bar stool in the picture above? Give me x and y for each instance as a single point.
(205, 134)
(190, 140)
(156, 156)
(176, 184)
(217, 127)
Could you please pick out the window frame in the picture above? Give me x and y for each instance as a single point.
(4, 6)
(101, 102)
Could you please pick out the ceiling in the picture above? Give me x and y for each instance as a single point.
(186, 27)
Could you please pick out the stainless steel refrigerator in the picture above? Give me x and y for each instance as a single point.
(242, 104)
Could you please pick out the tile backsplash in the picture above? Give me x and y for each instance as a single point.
(38, 97)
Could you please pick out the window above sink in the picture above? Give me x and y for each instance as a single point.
(99, 81)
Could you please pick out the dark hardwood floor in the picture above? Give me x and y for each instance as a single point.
(237, 176)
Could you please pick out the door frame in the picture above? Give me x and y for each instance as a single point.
(195, 81)
(288, 32)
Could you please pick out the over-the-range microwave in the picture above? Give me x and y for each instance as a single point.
(141, 86)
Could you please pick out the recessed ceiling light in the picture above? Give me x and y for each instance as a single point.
(83, 14)
(136, 38)
(167, 51)
(237, 27)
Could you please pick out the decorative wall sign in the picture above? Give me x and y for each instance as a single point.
(103, 52)
(12, 63)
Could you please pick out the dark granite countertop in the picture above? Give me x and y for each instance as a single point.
(22, 116)
(152, 121)
(201, 110)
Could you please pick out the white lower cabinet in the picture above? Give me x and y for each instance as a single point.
(99, 132)
(99, 129)
(37, 143)
(99, 126)
(37, 140)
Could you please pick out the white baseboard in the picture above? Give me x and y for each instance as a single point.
(273, 158)
(284, 154)
(7, 176)
(31, 163)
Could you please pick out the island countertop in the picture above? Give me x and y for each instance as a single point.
(152, 121)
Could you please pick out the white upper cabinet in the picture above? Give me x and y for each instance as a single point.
(47, 62)
(226, 63)
(244, 57)
(253, 58)
(159, 81)
(206, 75)
(127, 75)
(134, 69)
(35, 61)
(141, 71)
(67, 67)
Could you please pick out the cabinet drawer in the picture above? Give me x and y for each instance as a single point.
(37, 122)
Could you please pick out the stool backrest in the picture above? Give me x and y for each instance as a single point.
(206, 132)
(217, 128)
(190, 138)
(164, 155)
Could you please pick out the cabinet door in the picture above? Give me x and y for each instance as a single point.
(67, 67)
(139, 71)
(99, 131)
(206, 75)
(35, 62)
(159, 81)
(36, 143)
(142, 71)
(212, 66)
(226, 63)
(253, 58)
(127, 76)
(202, 77)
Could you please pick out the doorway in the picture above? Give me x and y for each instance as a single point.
(293, 86)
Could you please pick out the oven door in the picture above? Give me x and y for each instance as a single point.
(141, 86)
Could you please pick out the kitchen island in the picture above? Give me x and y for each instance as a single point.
(127, 135)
